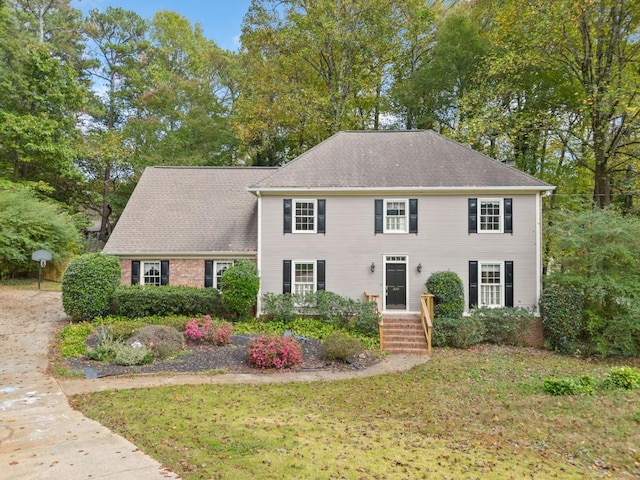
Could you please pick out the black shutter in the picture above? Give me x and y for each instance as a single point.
(473, 215)
(379, 218)
(321, 216)
(286, 276)
(287, 215)
(413, 215)
(508, 215)
(320, 282)
(208, 273)
(164, 272)
(473, 284)
(135, 272)
(508, 284)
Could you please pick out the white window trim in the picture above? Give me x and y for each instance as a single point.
(500, 217)
(396, 258)
(406, 215)
(142, 275)
(215, 270)
(293, 273)
(294, 201)
(502, 284)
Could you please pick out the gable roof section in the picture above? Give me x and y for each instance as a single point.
(368, 160)
(189, 210)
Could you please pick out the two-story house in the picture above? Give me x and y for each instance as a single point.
(362, 211)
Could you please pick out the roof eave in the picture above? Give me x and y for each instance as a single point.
(423, 190)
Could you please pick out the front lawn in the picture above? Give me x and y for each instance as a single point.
(478, 413)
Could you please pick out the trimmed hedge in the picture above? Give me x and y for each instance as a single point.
(505, 325)
(135, 301)
(457, 332)
(562, 317)
(88, 285)
(448, 290)
(240, 287)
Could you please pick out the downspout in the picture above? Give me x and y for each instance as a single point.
(259, 255)
(538, 252)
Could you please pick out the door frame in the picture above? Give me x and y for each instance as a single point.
(395, 258)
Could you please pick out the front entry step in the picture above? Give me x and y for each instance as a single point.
(403, 335)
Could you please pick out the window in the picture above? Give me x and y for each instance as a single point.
(395, 216)
(305, 219)
(490, 216)
(220, 268)
(303, 277)
(491, 285)
(151, 273)
(304, 215)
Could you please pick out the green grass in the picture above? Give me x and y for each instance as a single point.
(479, 413)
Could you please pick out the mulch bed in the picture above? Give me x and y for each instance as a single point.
(200, 358)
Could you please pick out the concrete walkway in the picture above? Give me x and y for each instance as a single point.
(42, 437)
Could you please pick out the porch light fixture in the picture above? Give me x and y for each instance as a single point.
(419, 267)
(373, 267)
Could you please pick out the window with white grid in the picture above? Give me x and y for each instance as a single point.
(395, 216)
(220, 268)
(491, 285)
(150, 273)
(490, 218)
(303, 277)
(304, 216)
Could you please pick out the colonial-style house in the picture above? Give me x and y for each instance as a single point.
(363, 211)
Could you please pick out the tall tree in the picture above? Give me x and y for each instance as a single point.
(313, 68)
(41, 95)
(118, 46)
(183, 97)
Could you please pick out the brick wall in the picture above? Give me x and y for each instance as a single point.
(534, 337)
(185, 272)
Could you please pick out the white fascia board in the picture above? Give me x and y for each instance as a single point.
(399, 190)
(183, 255)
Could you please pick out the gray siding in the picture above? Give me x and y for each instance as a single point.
(442, 243)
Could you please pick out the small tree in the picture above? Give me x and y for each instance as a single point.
(88, 285)
(596, 253)
(240, 286)
(449, 293)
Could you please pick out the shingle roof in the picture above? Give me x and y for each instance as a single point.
(395, 159)
(189, 210)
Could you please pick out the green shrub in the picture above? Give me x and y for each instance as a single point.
(562, 317)
(457, 332)
(340, 346)
(278, 306)
(88, 285)
(124, 329)
(366, 319)
(136, 301)
(448, 291)
(240, 286)
(505, 325)
(73, 338)
(129, 355)
(162, 341)
(585, 385)
(625, 378)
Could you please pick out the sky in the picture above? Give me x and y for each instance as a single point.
(221, 20)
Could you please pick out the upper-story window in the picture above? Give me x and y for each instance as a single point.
(304, 215)
(396, 215)
(490, 215)
(490, 218)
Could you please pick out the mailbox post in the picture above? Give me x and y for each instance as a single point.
(41, 256)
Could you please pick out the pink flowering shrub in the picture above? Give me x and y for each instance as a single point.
(277, 352)
(208, 331)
